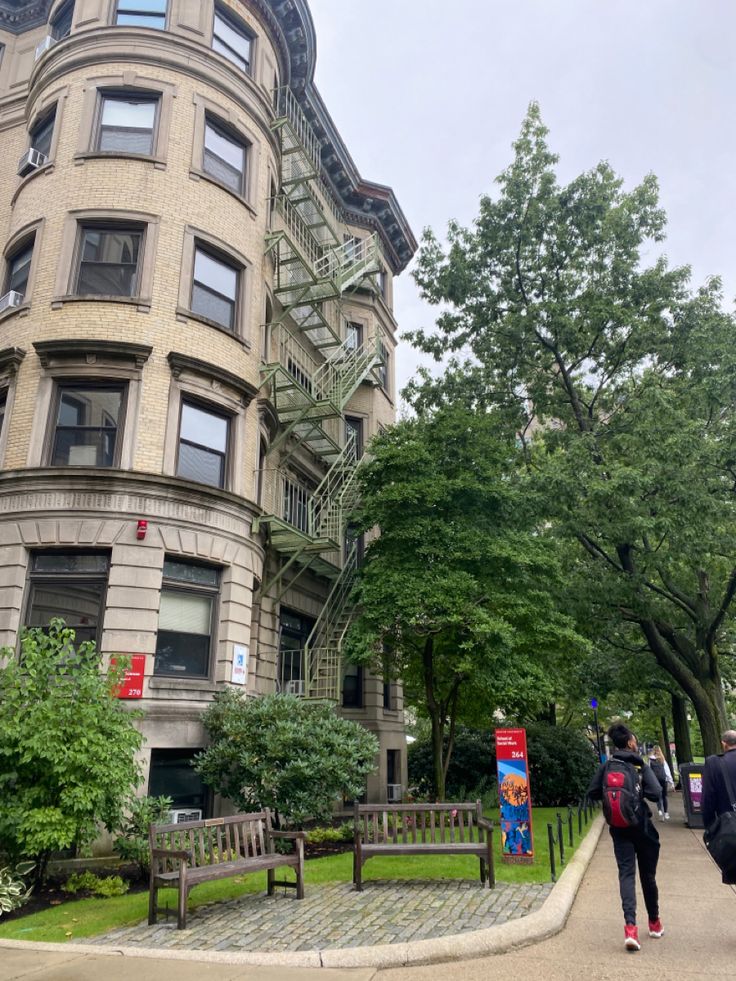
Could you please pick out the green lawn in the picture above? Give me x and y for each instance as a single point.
(87, 917)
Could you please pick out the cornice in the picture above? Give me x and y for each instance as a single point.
(86, 348)
(10, 359)
(185, 362)
(17, 16)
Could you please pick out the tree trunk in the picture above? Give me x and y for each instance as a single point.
(436, 716)
(666, 744)
(681, 728)
(710, 721)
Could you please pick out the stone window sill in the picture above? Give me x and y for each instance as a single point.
(142, 304)
(183, 314)
(201, 175)
(158, 162)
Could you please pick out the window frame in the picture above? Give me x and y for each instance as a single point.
(197, 589)
(47, 115)
(239, 27)
(85, 225)
(61, 383)
(182, 752)
(19, 248)
(67, 7)
(195, 238)
(10, 361)
(359, 702)
(133, 95)
(383, 370)
(226, 132)
(216, 256)
(236, 127)
(14, 245)
(33, 578)
(116, 13)
(215, 410)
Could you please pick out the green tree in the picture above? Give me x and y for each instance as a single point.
(628, 380)
(67, 746)
(457, 592)
(294, 756)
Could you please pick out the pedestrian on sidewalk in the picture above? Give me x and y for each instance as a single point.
(622, 783)
(662, 772)
(716, 799)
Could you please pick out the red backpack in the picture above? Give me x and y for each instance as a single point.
(621, 794)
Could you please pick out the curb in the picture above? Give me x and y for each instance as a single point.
(544, 923)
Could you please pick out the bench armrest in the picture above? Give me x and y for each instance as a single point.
(485, 823)
(171, 853)
(293, 835)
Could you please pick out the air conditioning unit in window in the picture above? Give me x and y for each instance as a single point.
(182, 814)
(11, 299)
(30, 161)
(43, 46)
(295, 687)
(393, 793)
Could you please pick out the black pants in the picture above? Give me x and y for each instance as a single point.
(633, 846)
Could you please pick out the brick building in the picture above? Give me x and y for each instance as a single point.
(196, 343)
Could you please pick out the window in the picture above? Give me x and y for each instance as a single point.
(353, 335)
(224, 157)
(215, 287)
(383, 283)
(87, 424)
(388, 699)
(42, 132)
(18, 268)
(108, 259)
(354, 429)
(172, 774)
(232, 40)
(383, 366)
(297, 497)
(203, 445)
(70, 585)
(127, 123)
(295, 629)
(184, 639)
(61, 25)
(352, 687)
(141, 13)
(393, 766)
(3, 406)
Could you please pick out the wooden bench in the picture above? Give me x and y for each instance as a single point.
(422, 829)
(186, 854)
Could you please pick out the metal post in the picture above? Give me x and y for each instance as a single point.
(560, 838)
(551, 841)
(580, 820)
(597, 735)
(570, 839)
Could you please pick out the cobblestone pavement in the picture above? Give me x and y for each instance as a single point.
(385, 912)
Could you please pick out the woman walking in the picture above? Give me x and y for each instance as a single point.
(662, 772)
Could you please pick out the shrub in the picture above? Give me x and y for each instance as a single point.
(111, 885)
(320, 835)
(561, 764)
(67, 746)
(294, 756)
(132, 843)
(13, 891)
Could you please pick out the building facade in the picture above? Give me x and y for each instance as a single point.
(196, 344)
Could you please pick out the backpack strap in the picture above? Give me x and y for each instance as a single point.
(727, 781)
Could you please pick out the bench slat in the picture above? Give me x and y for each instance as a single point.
(468, 848)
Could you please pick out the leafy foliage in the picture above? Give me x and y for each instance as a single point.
(561, 764)
(282, 752)
(67, 746)
(622, 384)
(13, 890)
(320, 835)
(131, 842)
(103, 886)
(457, 594)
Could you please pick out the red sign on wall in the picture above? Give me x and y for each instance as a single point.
(514, 795)
(132, 684)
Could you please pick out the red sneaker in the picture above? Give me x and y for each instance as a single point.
(631, 937)
(655, 928)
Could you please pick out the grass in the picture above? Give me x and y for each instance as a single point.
(87, 917)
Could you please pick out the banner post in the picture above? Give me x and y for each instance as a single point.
(514, 796)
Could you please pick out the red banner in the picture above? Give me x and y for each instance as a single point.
(132, 684)
(514, 796)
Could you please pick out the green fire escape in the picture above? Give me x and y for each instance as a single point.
(312, 374)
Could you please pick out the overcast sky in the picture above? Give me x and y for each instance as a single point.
(429, 95)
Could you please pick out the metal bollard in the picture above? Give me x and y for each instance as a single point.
(560, 838)
(570, 839)
(551, 840)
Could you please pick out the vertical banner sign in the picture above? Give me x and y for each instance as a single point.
(132, 684)
(514, 796)
(239, 675)
(695, 786)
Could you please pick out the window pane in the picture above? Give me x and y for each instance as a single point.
(204, 466)
(172, 775)
(3, 402)
(127, 125)
(62, 24)
(189, 572)
(224, 158)
(75, 562)
(231, 42)
(19, 267)
(203, 427)
(42, 132)
(142, 13)
(109, 262)
(185, 612)
(86, 427)
(216, 275)
(182, 654)
(213, 307)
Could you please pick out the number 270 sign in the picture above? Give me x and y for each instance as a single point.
(132, 684)
(514, 796)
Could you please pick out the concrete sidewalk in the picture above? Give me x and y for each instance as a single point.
(697, 911)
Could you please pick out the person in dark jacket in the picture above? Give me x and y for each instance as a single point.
(638, 845)
(715, 796)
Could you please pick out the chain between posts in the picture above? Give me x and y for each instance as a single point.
(585, 809)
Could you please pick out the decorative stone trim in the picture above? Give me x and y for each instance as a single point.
(84, 348)
(10, 359)
(184, 362)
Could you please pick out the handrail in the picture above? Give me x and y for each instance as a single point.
(289, 110)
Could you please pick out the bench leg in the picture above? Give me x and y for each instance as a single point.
(270, 874)
(181, 918)
(358, 878)
(489, 863)
(152, 904)
(482, 872)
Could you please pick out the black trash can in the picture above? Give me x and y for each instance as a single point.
(691, 778)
